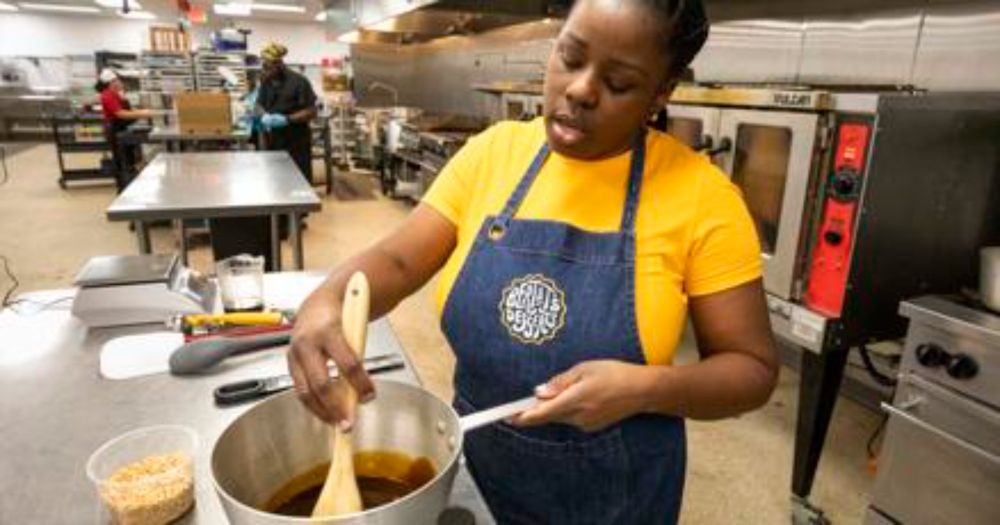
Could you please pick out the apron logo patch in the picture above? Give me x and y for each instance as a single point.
(533, 309)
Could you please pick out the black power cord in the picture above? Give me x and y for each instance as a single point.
(42, 306)
(4, 177)
(875, 373)
(4, 174)
(8, 303)
(870, 446)
(14, 283)
(883, 379)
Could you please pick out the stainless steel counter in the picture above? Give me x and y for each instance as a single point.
(56, 410)
(177, 186)
(499, 88)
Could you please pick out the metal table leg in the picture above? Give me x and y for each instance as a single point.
(276, 241)
(142, 236)
(328, 159)
(818, 388)
(181, 230)
(295, 236)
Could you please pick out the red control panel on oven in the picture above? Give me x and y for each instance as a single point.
(831, 254)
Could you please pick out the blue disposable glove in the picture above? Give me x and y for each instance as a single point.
(273, 121)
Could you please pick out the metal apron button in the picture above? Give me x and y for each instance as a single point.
(496, 232)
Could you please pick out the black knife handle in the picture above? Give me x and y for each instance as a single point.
(241, 392)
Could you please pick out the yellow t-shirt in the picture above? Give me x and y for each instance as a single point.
(694, 235)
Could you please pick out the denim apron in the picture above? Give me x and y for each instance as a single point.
(534, 298)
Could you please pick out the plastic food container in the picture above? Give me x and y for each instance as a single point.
(241, 280)
(145, 476)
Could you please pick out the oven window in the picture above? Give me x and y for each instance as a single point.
(515, 109)
(688, 130)
(760, 169)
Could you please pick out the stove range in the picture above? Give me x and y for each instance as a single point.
(954, 341)
(940, 461)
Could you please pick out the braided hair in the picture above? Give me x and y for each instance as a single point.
(684, 31)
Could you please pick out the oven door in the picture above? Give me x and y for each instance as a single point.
(537, 105)
(696, 126)
(940, 462)
(514, 106)
(518, 106)
(771, 160)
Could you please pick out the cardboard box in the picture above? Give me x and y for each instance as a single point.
(201, 113)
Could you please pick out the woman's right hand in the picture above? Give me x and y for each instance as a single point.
(396, 266)
(317, 338)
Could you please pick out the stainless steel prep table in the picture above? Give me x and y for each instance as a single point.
(57, 410)
(172, 138)
(178, 186)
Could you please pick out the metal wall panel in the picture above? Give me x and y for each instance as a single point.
(751, 51)
(931, 44)
(960, 48)
(727, 10)
(389, 65)
(375, 11)
(871, 49)
(439, 76)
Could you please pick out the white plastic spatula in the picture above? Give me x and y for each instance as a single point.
(340, 493)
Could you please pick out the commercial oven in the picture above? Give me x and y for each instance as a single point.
(521, 106)
(761, 150)
(860, 200)
(425, 146)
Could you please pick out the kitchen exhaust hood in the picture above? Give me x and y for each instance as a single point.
(422, 20)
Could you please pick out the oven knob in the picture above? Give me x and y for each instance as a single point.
(844, 183)
(833, 237)
(963, 367)
(932, 355)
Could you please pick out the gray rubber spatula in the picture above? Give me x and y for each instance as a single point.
(340, 493)
(198, 356)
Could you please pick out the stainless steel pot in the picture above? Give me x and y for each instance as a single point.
(278, 439)
(989, 277)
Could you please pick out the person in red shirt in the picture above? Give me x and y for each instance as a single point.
(118, 116)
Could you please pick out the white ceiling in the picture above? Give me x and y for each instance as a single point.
(166, 11)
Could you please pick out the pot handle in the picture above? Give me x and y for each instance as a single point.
(497, 413)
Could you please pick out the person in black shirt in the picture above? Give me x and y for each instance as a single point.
(288, 104)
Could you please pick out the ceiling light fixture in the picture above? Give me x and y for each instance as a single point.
(61, 8)
(231, 9)
(321, 16)
(349, 38)
(7, 7)
(133, 5)
(280, 8)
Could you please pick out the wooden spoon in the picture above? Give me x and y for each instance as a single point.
(340, 493)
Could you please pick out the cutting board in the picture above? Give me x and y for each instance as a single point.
(132, 356)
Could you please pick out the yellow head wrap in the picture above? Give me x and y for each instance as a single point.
(273, 51)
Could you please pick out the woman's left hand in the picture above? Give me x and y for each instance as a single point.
(590, 396)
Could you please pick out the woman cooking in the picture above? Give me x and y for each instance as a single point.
(571, 251)
(118, 116)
